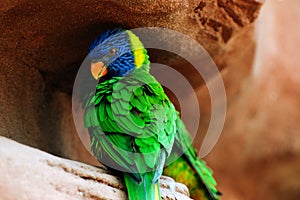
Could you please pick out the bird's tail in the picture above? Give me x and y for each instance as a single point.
(146, 189)
(197, 168)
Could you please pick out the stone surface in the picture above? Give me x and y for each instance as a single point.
(28, 173)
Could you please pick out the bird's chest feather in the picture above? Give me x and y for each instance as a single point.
(135, 109)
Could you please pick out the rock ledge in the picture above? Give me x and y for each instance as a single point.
(29, 173)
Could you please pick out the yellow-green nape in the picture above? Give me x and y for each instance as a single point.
(139, 52)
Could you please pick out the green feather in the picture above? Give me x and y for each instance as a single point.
(145, 190)
(139, 122)
(150, 158)
(141, 106)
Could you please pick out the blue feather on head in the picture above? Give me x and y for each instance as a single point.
(113, 48)
(101, 38)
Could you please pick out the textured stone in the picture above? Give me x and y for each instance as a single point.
(37, 175)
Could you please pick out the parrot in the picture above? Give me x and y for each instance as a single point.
(133, 126)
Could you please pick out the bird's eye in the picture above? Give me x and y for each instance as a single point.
(113, 51)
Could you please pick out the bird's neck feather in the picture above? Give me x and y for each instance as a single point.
(141, 58)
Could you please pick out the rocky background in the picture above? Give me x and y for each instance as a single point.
(254, 45)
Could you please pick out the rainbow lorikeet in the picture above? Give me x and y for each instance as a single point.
(134, 128)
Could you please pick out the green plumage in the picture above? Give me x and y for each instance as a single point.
(134, 128)
(131, 124)
(145, 190)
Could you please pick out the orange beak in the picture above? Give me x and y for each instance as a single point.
(98, 70)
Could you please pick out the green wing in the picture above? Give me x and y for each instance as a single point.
(131, 123)
(189, 169)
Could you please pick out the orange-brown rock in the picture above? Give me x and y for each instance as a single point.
(260, 143)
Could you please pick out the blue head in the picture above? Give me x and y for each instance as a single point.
(116, 53)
